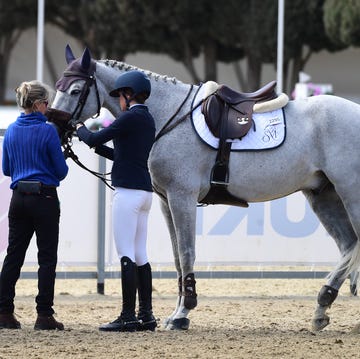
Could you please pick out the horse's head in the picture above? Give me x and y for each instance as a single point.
(76, 87)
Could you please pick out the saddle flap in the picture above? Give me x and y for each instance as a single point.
(237, 118)
(212, 109)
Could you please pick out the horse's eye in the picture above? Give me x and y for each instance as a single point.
(74, 92)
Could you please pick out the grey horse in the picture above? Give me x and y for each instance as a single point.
(318, 157)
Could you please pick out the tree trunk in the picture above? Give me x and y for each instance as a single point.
(240, 76)
(296, 68)
(187, 60)
(50, 63)
(254, 67)
(210, 60)
(285, 73)
(4, 59)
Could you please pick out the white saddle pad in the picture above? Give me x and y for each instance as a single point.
(269, 130)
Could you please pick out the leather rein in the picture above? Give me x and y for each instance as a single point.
(168, 125)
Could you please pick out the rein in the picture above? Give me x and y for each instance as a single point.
(168, 125)
(68, 152)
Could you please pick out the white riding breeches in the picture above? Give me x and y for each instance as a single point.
(130, 211)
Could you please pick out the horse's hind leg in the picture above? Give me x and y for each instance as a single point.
(331, 212)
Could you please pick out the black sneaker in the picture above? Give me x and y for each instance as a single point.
(121, 325)
(8, 321)
(47, 322)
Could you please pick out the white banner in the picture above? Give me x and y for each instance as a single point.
(283, 231)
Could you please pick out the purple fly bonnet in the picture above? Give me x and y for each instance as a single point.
(78, 69)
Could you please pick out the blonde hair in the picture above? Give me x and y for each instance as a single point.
(28, 93)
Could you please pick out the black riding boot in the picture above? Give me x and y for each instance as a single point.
(127, 321)
(145, 317)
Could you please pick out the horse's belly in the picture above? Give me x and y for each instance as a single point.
(266, 175)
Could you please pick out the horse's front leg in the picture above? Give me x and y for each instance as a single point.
(170, 224)
(183, 211)
(354, 277)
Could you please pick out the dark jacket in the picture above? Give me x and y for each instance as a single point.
(133, 134)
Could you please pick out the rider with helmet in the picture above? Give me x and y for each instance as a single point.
(133, 134)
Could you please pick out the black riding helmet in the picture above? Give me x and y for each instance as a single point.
(136, 80)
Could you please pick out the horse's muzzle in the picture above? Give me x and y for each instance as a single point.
(60, 118)
(62, 122)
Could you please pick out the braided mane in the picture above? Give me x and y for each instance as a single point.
(126, 67)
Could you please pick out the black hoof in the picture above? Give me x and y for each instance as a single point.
(179, 324)
(353, 289)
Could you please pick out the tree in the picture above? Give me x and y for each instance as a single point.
(107, 27)
(15, 17)
(77, 19)
(184, 30)
(342, 21)
(257, 33)
(305, 34)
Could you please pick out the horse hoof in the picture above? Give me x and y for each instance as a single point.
(320, 323)
(167, 322)
(353, 290)
(179, 324)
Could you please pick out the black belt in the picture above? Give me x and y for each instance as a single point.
(47, 186)
(33, 187)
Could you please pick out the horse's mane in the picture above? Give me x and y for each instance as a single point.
(127, 67)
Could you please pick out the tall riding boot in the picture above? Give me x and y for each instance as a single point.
(146, 318)
(127, 321)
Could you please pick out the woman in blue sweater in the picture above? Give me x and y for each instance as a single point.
(133, 134)
(32, 157)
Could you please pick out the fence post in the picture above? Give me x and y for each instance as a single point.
(101, 230)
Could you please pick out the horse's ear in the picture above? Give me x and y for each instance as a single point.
(86, 59)
(69, 56)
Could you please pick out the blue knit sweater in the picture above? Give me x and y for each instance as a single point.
(32, 151)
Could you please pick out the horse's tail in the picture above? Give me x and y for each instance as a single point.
(349, 262)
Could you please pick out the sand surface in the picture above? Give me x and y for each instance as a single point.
(235, 318)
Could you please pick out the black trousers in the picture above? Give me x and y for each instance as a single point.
(29, 214)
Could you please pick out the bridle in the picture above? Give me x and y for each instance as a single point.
(89, 81)
(74, 117)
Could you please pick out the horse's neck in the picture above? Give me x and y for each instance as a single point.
(106, 77)
(167, 94)
(167, 100)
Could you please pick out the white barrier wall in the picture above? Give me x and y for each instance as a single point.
(284, 231)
